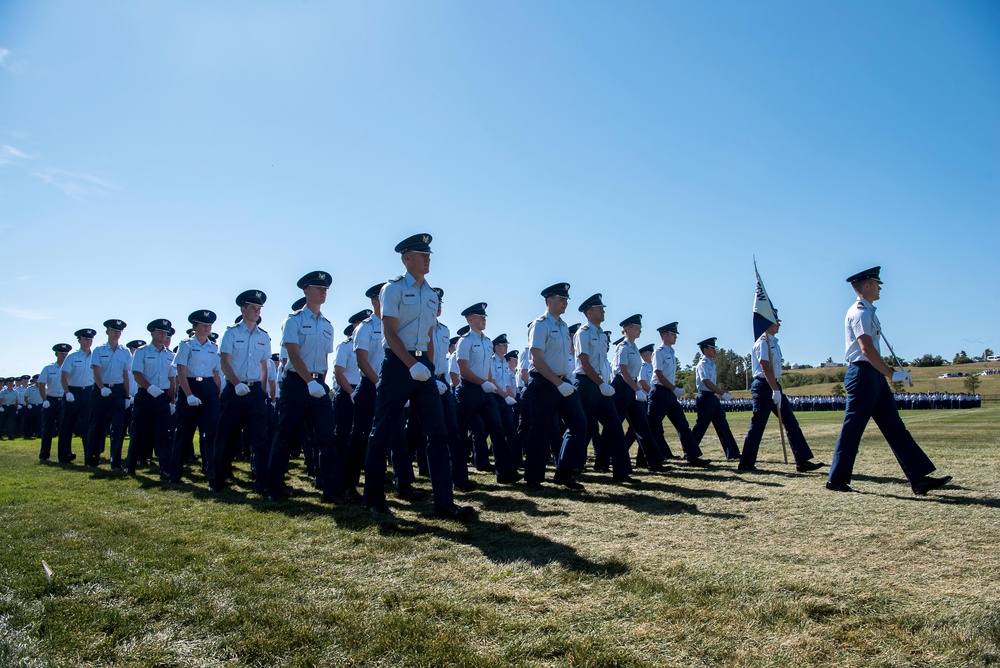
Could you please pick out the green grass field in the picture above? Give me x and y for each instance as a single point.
(689, 568)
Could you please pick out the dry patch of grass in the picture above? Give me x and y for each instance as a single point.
(690, 568)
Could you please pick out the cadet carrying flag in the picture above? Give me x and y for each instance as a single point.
(763, 310)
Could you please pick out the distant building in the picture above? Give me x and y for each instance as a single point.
(831, 365)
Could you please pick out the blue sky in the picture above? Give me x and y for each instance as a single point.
(157, 158)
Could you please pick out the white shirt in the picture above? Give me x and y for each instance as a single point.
(551, 336)
(477, 350)
(368, 337)
(589, 340)
(347, 359)
(156, 365)
(760, 352)
(77, 365)
(415, 306)
(201, 359)
(246, 350)
(861, 319)
(314, 336)
(627, 361)
(50, 375)
(705, 371)
(665, 362)
(112, 363)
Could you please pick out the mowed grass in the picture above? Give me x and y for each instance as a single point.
(689, 568)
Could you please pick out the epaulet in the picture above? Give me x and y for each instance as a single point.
(262, 329)
(233, 326)
(860, 305)
(540, 318)
(394, 280)
(297, 312)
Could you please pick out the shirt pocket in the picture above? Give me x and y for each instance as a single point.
(410, 299)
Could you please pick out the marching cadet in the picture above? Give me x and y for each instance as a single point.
(243, 359)
(155, 374)
(198, 367)
(50, 387)
(596, 394)
(21, 388)
(767, 397)
(442, 363)
(8, 409)
(869, 396)
(645, 378)
(110, 363)
(549, 393)
(409, 308)
(710, 411)
(505, 396)
(475, 356)
(630, 399)
(305, 396)
(346, 375)
(370, 351)
(133, 387)
(663, 399)
(454, 377)
(33, 401)
(77, 378)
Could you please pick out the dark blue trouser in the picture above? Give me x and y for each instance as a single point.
(471, 401)
(599, 409)
(150, 429)
(635, 412)
(78, 409)
(364, 415)
(545, 405)
(204, 418)
(710, 412)
(107, 412)
(763, 406)
(396, 387)
(459, 461)
(238, 417)
(869, 396)
(50, 426)
(299, 408)
(663, 404)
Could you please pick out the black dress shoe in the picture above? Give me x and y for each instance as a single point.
(353, 495)
(625, 478)
(839, 486)
(534, 486)
(565, 479)
(380, 510)
(927, 483)
(72, 456)
(410, 493)
(455, 512)
(509, 478)
(805, 467)
(468, 486)
(746, 467)
(336, 499)
(601, 468)
(488, 468)
(698, 461)
(660, 468)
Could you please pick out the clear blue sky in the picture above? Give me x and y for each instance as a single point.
(160, 157)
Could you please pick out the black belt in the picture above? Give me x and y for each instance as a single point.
(418, 353)
(318, 376)
(199, 379)
(110, 385)
(535, 374)
(80, 387)
(250, 383)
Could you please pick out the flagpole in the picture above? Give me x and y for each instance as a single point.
(781, 425)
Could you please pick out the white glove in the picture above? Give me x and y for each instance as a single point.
(316, 389)
(726, 396)
(105, 391)
(30, 406)
(173, 408)
(776, 397)
(419, 372)
(442, 388)
(679, 392)
(154, 391)
(407, 404)
(641, 396)
(488, 387)
(567, 389)
(1, 409)
(69, 397)
(193, 400)
(128, 402)
(510, 400)
(46, 404)
(607, 390)
(242, 389)
(902, 376)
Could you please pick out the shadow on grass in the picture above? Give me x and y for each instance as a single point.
(503, 544)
